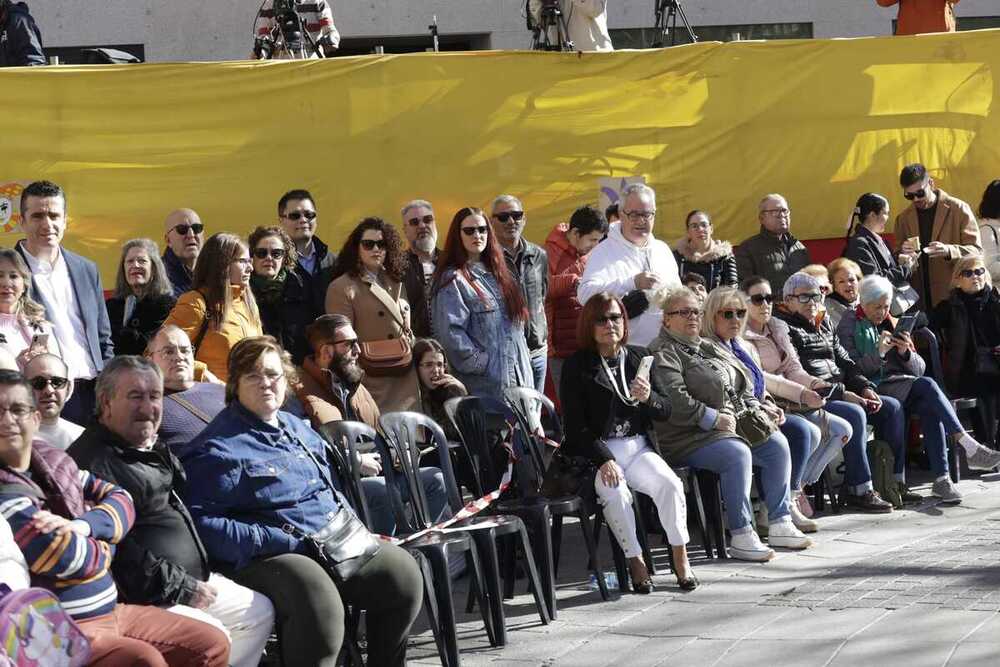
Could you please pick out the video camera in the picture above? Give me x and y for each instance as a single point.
(289, 33)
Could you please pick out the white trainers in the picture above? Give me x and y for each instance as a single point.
(800, 520)
(783, 533)
(983, 458)
(946, 490)
(747, 546)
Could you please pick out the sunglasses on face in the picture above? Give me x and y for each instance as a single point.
(919, 194)
(298, 215)
(197, 228)
(968, 273)
(610, 318)
(686, 312)
(473, 231)
(427, 220)
(507, 215)
(738, 313)
(761, 299)
(39, 383)
(371, 244)
(806, 298)
(263, 253)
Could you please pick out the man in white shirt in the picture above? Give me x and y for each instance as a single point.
(586, 23)
(632, 264)
(50, 382)
(69, 287)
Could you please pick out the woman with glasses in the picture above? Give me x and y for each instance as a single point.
(368, 290)
(437, 384)
(220, 309)
(24, 331)
(256, 475)
(479, 311)
(143, 297)
(724, 321)
(845, 276)
(708, 388)
(697, 252)
(969, 324)
(609, 419)
(280, 292)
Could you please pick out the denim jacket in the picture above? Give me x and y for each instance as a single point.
(247, 479)
(487, 351)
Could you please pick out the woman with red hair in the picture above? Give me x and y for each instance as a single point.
(478, 310)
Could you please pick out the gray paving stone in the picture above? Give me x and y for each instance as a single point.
(892, 652)
(939, 625)
(784, 652)
(976, 654)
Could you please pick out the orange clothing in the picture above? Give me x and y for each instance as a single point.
(919, 16)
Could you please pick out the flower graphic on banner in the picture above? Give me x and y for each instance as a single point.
(10, 214)
(609, 189)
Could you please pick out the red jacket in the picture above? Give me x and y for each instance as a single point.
(921, 16)
(561, 307)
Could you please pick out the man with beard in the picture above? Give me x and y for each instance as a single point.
(330, 390)
(49, 379)
(184, 235)
(420, 227)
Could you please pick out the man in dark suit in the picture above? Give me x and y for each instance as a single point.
(69, 287)
(297, 216)
(420, 227)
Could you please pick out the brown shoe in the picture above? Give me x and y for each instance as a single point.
(641, 582)
(871, 502)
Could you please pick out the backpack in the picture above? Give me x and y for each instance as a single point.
(35, 631)
(881, 460)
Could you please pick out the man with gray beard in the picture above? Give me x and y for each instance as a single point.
(420, 227)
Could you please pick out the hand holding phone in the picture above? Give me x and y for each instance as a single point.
(644, 367)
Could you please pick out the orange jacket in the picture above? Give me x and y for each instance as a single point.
(919, 16)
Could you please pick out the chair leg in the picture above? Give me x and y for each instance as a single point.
(556, 542)
(598, 524)
(639, 508)
(476, 583)
(588, 538)
(443, 592)
(486, 545)
(621, 566)
(954, 463)
(538, 521)
(537, 589)
(510, 566)
(431, 607)
(699, 506)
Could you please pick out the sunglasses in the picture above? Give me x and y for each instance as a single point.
(610, 318)
(473, 231)
(351, 342)
(685, 312)
(39, 383)
(275, 253)
(197, 228)
(298, 215)
(919, 194)
(738, 313)
(427, 220)
(968, 273)
(761, 299)
(507, 215)
(371, 244)
(806, 298)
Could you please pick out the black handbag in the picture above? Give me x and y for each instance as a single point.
(569, 476)
(987, 363)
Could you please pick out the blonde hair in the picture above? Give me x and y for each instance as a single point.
(968, 262)
(716, 301)
(817, 271)
(842, 264)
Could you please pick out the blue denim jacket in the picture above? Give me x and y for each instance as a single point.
(485, 349)
(246, 479)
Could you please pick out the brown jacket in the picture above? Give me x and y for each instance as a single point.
(955, 225)
(323, 405)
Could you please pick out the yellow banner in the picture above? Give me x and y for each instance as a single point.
(712, 126)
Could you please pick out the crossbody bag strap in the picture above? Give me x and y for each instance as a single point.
(738, 403)
(190, 407)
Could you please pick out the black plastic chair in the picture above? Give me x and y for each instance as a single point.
(480, 420)
(405, 430)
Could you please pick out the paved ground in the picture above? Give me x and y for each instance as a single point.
(917, 587)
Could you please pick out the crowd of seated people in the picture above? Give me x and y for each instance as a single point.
(162, 456)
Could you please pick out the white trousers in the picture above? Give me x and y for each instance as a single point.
(245, 615)
(646, 472)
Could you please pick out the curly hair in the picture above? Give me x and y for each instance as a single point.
(291, 254)
(349, 259)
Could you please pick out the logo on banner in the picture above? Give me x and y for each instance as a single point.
(10, 206)
(609, 190)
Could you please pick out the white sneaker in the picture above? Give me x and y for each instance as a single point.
(800, 520)
(747, 546)
(783, 533)
(983, 458)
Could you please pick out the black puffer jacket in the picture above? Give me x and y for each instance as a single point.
(131, 337)
(162, 559)
(822, 355)
(965, 322)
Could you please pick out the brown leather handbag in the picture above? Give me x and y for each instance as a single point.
(387, 358)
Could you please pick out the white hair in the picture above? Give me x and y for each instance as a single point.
(416, 203)
(638, 189)
(874, 288)
(510, 200)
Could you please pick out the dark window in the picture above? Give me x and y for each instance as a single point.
(359, 46)
(84, 55)
(642, 38)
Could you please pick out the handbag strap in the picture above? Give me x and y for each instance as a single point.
(739, 405)
(190, 407)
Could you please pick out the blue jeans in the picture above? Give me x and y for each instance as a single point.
(539, 361)
(937, 420)
(802, 438)
(380, 507)
(732, 460)
(857, 474)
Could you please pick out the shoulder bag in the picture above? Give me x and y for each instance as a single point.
(386, 358)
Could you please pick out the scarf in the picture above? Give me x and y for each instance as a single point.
(755, 373)
(268, 291)
(866, 337)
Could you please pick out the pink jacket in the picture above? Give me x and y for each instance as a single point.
(783, 373)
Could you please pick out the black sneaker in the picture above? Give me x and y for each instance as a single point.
(909, 497)
(871, 502)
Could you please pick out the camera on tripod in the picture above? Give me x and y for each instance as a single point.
(288, 35)
(548, 23)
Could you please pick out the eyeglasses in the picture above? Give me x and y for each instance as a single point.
(688, 313)
(269, 377)
(507, 215)
(371, 244)
(483, 230)
(806, 298)
(738, 313)
(351, 342)
(263, 253)
(610, 318)
(173, 351)
(778, 211)
(761, 299)
(432, 365)
(197, 228)
(699, 225)
(19, 410)
(968, 273)
(298, 215)
(636, 216)
(427, 220)
(919, 194)
(40, 382)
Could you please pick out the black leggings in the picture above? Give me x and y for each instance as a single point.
(310, 612)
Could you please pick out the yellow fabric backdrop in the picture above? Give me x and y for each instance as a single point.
(713, 126)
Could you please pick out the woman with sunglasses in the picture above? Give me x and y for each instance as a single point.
(724, 322)
(479, 311)
(367, 288)
(143, 297)
(24, 331)
(969, 324)
(609, 419)
(220, 309)
(281, 294)
(697, 252)
(708, 387)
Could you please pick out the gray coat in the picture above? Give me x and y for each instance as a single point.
(695, 391)
(900, 372)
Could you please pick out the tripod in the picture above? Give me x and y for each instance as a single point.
(666, 12)
(551, 33)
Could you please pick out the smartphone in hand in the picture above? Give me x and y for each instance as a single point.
(644, 367)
